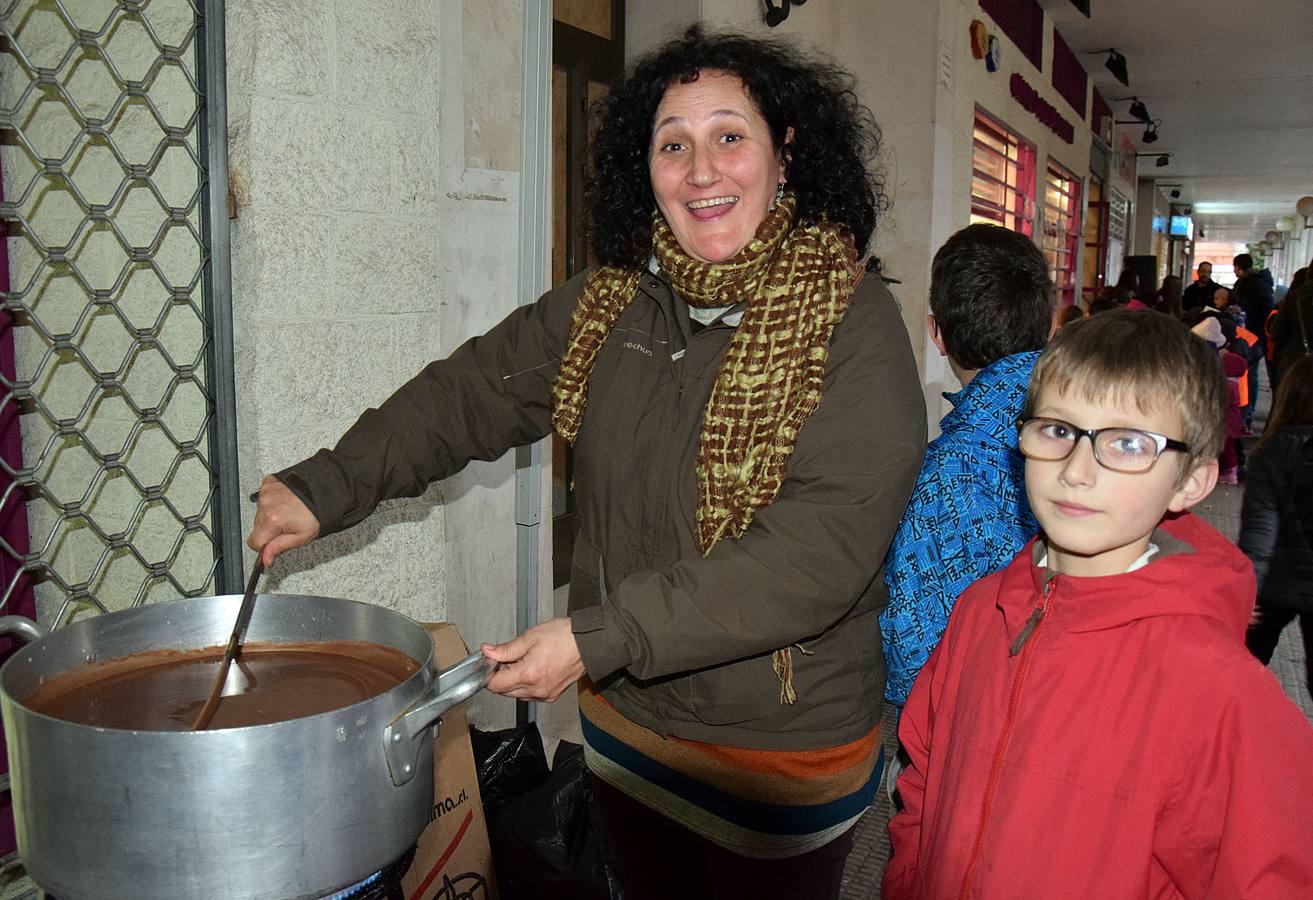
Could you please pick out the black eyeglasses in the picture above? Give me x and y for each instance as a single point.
(1118, 449)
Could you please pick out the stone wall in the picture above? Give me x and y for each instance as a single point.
(374, 160)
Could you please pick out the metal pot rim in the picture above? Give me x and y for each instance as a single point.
(423, 673)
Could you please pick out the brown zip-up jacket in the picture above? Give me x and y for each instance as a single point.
(676, 642)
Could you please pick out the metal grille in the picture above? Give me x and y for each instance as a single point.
(121, 380)
(1002, 176)
(1061, 229)
(1119, 211)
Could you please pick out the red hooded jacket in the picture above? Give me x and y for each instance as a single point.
(1105, 738)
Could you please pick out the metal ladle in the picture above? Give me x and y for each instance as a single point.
(230, 652)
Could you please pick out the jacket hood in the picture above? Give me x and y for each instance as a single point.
(995, 395)
(1196, 572)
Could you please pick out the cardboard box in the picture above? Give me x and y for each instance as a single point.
(453, 859)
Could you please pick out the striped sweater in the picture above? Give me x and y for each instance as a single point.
(757, 803)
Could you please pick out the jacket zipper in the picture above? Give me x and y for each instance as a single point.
(1025, 645)
(673, 469)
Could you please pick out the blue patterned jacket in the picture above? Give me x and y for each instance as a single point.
(968, 516)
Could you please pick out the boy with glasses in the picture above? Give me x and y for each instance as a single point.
(1090, 724)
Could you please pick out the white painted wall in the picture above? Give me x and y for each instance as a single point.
(649, 24)
(374, 155)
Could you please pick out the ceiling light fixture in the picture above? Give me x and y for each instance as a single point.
(1305, 208)
(777, 14)
(1116, 64)
(1150, 130)
(1138, 110)
(1165, 159)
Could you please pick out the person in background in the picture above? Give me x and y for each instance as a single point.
(747, 424)
(1169, 296)
(991, 311)
(1224, 303)
(1234, 367)
(1141, 289)
(1069, 314)
(1200, 293)
(1091, 724)
(1253, 292)
(1109, 298)
(1145, 292)
(1276, 519)
(1127, 284)
(1292, 329)
(1248, 345)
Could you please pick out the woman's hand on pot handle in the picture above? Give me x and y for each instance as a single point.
(538, 665)
(282, 521)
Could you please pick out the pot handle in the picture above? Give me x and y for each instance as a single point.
(23, 627)
(451, 686)
(28, 631)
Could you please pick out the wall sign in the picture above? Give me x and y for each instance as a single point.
(1041, 109)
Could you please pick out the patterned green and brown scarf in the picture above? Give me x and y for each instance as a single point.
(798, 282)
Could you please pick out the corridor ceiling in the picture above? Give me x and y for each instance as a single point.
(1233, 84)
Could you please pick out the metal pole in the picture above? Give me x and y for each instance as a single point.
(535, 193)
(220, 378)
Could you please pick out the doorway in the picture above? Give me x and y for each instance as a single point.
(587, 57)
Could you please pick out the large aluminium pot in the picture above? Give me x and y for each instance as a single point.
(293, 809)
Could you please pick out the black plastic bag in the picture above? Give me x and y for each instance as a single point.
(547, 843)
(510, 762)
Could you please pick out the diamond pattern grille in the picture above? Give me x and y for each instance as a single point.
(100, 118)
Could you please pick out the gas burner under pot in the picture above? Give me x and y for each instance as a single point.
(384, 884)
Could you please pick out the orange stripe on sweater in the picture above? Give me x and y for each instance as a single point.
(773, 776)
(800, 764)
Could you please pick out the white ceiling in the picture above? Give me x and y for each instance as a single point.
(1232, 81)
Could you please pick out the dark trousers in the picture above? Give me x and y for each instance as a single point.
(660, 859)
(1262, 637)
(1248, 411)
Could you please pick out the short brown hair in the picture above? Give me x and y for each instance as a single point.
(991, 295)
(1143, 357)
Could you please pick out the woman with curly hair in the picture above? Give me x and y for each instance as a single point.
(747, 426)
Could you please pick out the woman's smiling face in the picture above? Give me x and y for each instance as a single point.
(713, 165)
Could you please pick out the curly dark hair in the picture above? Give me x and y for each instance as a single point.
(835, 136)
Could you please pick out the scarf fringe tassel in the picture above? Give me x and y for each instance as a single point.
(783, 662)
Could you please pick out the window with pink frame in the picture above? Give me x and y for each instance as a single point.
(1061, 240)
(1002, 176)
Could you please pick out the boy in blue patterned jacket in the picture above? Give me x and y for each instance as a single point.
(991, 312)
